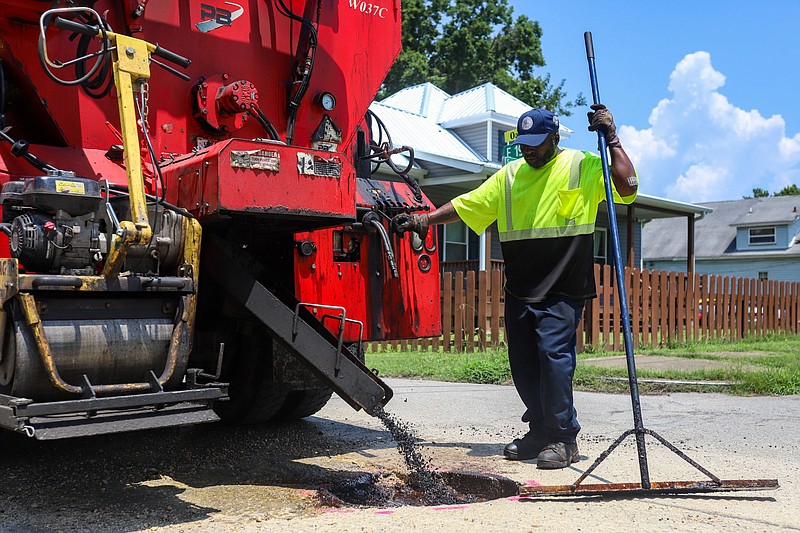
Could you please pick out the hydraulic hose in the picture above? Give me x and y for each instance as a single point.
(373, 220)
(2, 96)
(307, 69)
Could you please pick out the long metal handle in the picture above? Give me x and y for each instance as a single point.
(620, 277)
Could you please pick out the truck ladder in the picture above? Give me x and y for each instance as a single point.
(298, 331)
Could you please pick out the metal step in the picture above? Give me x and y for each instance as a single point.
(68, 426)
(96, 416)
(301, 333)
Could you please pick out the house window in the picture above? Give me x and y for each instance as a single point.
(600, 246)
(460, 244)
(763, 276)
(762, 235)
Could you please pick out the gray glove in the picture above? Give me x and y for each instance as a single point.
(601, 119)
(411, 222)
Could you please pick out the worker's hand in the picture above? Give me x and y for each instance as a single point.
(601, 119)
(411, 222)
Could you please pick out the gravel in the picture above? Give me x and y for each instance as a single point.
(226, 478)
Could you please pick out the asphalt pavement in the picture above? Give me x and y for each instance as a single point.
(278, 478)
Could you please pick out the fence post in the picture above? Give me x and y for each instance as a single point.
(636, 305)
(469, 312)
(647, 309)
(483, 294)
(594, 319)
(458, 313)
(682, 323)
(447, 312)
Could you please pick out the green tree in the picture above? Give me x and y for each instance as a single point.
(789, 190)
(459, 44)
(758, 192)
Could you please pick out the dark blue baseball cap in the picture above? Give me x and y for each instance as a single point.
(534, 126)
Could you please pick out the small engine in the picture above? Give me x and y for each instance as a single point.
(55, 223)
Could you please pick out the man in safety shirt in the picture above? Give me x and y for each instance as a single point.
(545, 205)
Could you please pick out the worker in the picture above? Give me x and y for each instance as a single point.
(545, 205)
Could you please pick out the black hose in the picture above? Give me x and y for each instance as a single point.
(2, 96)
(267, 125)
(381, 147)
(371, 218)
(99, 85)
(150, 150)
(105, 49)
(310, 56)
(123, 189)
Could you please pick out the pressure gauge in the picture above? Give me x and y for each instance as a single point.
(327, 101)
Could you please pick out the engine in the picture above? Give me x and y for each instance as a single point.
(54, 223)
(62, 224)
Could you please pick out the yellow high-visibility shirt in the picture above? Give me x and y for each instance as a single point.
(546, 220)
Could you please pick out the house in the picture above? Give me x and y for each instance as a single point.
(459, 141)
(753, 238)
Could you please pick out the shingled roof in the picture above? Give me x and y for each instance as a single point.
(715, 233)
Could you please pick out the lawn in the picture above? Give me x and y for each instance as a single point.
(768, 365)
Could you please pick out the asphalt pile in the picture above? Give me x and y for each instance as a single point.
(429, 482)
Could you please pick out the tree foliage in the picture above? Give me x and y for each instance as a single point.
(789, 190)
(460, 44)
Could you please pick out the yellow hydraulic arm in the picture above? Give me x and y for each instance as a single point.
(131, 69)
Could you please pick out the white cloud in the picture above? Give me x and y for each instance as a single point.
(701, 147)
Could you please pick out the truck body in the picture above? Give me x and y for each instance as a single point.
(192, 224)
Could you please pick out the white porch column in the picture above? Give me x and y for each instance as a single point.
(482, 254)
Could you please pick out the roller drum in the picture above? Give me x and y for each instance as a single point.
(107, 351)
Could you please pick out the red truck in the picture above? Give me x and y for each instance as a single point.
(192, 225)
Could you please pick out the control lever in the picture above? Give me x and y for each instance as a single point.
(20, 149)
(153, 49)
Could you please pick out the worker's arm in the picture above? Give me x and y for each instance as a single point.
(622, 172)
(419, 223)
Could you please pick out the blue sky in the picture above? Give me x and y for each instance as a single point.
(706, 93)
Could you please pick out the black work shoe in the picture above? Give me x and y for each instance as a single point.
(528, 447)
(558, 455)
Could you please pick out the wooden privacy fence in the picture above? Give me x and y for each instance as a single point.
(664, 307)
(473, 306)
(668, 307)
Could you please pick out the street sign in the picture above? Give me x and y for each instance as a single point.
(511, 152)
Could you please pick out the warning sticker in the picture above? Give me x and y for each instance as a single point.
(256, 159)
(314, 165)
(70, 187)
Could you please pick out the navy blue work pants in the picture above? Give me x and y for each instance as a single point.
(541, 350)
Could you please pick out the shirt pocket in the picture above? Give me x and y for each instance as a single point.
(570, 203)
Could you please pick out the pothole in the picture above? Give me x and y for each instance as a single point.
(391, 489)
(422, 485)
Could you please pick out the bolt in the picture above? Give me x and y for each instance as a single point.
(130, 51)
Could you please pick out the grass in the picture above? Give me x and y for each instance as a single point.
(772, 369)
